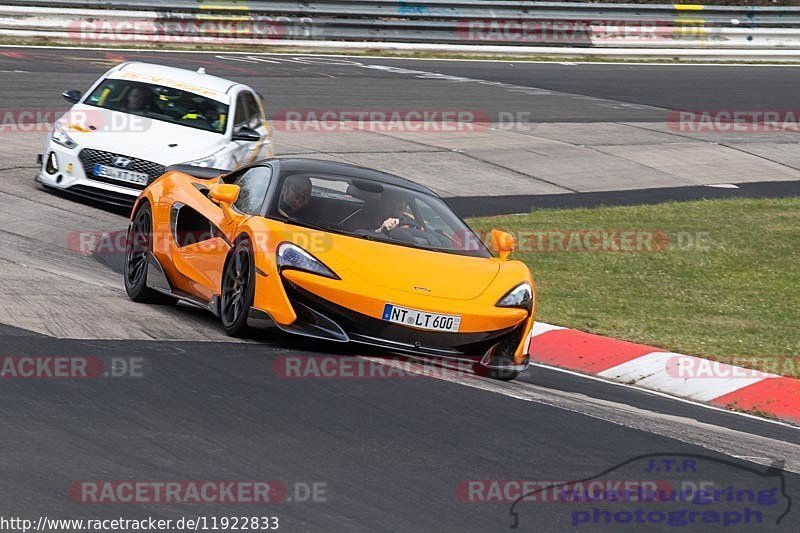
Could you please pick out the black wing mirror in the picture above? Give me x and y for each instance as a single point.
(72, 96)
(246, 134)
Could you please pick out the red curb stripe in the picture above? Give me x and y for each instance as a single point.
(577, 350)
(779, 397)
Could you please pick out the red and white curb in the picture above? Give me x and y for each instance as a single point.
(685, 376)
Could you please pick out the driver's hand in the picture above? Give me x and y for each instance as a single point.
(389, 224)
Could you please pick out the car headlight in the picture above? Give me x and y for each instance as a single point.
(520, 296)
(292, 256)
(60, 136)
(208, 161)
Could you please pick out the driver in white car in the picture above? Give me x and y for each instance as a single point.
(139, 99)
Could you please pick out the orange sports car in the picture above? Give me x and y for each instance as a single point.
(331, 251)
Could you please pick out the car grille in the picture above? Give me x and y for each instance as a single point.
(89, 158)
(363, 328)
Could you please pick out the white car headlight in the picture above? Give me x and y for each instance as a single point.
(60, 136)
(292, 256)
(520, 296)
(208, 161)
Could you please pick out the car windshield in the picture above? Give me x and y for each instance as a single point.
(375, 211)
(162, 103)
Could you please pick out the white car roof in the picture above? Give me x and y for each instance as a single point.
(207, 85)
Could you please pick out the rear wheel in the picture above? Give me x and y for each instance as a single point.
(138, 247)
(238, 289)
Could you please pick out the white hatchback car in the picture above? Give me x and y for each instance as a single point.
(140, 118)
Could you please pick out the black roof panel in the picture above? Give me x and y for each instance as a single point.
(311, 166)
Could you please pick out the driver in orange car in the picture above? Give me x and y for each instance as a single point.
(381, 215)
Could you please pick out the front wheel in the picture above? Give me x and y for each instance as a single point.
(238, 289)
(138, 248)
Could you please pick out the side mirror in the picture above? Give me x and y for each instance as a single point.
(72, 96)
(246, 134)
(503, 243)
(224, 193)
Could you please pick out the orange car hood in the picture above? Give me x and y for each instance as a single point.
(437, 274)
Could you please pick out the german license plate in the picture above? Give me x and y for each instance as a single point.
(421, 319)
(120, 174)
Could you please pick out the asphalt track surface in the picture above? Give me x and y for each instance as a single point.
(641, 92)
(390, 452)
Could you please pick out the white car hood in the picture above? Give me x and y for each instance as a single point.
(139, 137)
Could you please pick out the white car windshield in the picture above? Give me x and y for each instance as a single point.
(162, 103)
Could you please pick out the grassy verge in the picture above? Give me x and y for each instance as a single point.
(727, 284)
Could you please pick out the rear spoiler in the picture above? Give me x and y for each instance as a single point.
(198, 172)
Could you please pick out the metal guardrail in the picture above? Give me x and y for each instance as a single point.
(463, 23)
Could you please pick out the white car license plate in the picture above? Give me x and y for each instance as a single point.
(120, 174)
(420, 319)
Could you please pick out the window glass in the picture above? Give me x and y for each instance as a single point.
(248, 114)
(374, 210)
(159, 102)
(252, 190)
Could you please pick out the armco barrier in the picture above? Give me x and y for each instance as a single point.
(509, 25)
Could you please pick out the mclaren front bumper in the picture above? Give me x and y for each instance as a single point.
(324, 319)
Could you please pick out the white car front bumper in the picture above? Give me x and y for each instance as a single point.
(70, 174)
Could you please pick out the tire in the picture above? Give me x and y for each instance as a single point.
(237, 290)
(137, 248)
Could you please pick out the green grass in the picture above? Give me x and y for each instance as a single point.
(738, 296)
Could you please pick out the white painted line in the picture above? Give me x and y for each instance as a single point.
(243, 60)
(662, 371)
(638, 62)
(723, 186)
(663, 395)
(259, 59)
(543, 327)
(720, 439)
